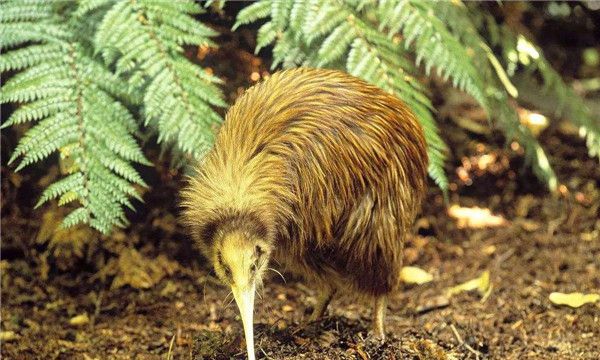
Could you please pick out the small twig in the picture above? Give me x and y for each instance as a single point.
(358, 349)
(461, 342)
(266, 356)
(170, 353)
(503, 257)
(97, 308)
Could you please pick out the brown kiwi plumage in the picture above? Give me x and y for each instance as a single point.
(319, 170)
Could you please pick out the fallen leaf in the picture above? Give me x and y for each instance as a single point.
(481, 284)
(138, 271)
(80, 320)
(415, 275)
(7, 336)
(475, 217)
(281, 324)
(574, 300)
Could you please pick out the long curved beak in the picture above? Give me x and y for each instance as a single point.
(245, 302)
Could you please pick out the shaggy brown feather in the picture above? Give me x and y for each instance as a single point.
(326, 170)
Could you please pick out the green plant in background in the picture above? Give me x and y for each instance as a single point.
(86, 70)
(538, 77)
(377, 40)
(96, 76)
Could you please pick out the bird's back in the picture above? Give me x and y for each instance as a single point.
(335, 165)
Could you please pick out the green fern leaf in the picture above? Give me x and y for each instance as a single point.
(147, 36)
(336, 44)
(77, 216)
(266, 35)
(75, 105)
(258, 10)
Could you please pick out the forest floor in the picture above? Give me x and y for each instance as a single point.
(144, 293)
(532, 244)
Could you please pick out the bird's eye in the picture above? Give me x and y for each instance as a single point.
(226, 268)
(259, 251)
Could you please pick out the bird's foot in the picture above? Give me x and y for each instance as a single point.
(377, 335)
(378, 330)
(323, 300)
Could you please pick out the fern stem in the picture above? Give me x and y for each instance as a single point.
(177, 81)
(83, 166)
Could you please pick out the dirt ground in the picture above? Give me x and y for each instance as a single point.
(547, 243)
(91, 302)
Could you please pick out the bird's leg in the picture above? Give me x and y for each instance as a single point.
(379, 317)
(323, 299)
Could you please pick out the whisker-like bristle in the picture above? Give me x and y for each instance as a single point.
(227, 297)
(278, 273)
(229, 303)
(259, 294)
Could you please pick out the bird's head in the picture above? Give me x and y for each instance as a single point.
(240, 260)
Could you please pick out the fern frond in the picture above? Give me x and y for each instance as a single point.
(280, 13)
(435, 45)
(534, 153)
(143, 40)
(13, 34)
(256, 11)
(29, 56)
(72, 100)
(25, 11)
(266, 35)
(575, 109)
(568, 103)
(324, 17)
(336, 44)
(36, 110)
(87, 6)
(461, 22)
(519, 52)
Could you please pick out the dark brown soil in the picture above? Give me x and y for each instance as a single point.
(549, 244)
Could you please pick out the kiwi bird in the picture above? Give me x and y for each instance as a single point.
(320, 171)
